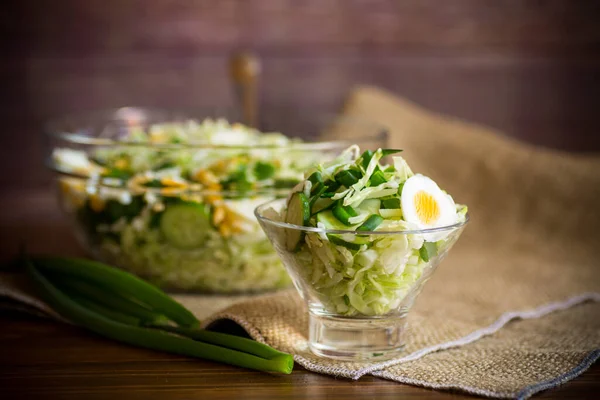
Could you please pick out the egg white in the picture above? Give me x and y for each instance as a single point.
(419, 185)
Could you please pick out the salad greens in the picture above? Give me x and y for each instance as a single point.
(174, 203)
(350, 264)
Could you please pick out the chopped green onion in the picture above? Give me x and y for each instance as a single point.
(316, 193)
(117, 173)
(388, 152)
(400, 187)
(344, 213)
(332, 186)
(371, 223)
(285, 183)
(427, 251)
(315, 177)
(154, 183)
(391, 203)
(366, 158)
(347, 177)
(263, 170)
(377, 178)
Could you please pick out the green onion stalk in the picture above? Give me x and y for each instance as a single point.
(117, 305)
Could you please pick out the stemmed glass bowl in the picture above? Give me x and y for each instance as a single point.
(358, 296)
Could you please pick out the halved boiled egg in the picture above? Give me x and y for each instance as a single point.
(425, 205)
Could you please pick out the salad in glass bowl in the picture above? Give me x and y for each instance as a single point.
(359, 239)
(171, 199)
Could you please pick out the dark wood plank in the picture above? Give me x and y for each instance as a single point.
(43, 358)
(72, 27)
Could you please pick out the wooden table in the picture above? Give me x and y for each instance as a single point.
(44, 359)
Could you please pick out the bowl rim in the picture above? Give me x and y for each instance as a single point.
(52, 130)
(263, 207)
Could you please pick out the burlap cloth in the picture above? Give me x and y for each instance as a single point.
(514, 309)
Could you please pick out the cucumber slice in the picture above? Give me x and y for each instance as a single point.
(344, 213)
(341, 242)
(321, 204)
(391, 213)
(371, 223)
(331, 222)
(185, 225)
(370, 206)
(298, 213)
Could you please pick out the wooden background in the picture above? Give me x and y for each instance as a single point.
(527, 67)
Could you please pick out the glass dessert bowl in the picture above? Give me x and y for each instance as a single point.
(171, 199)
(348, 239)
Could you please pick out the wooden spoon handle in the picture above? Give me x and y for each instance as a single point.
(244, 69)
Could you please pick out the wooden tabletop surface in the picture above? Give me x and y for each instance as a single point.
(44, 359)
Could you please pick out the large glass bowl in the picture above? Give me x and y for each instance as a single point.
(357, 297)
(189, 237)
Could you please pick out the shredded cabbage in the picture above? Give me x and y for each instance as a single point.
(369, 275)
(120, 218)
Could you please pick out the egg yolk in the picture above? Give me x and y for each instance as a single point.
(427, 207)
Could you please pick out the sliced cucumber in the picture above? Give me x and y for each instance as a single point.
(348, 240)
(335, 239)
(185, 225)
(391, 213)
(371, 223)
(321, 204)
(331, 222)
(344, 213)
(298, 213)
(370, 206)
